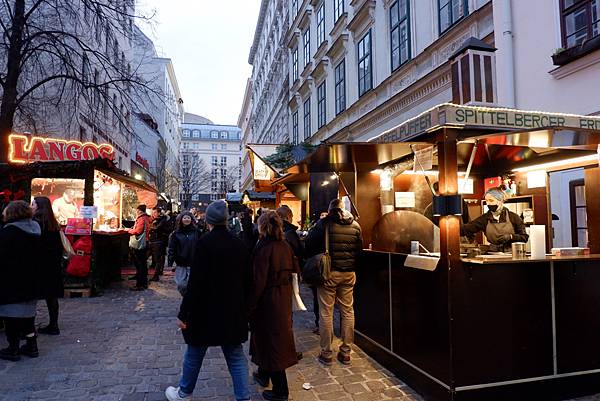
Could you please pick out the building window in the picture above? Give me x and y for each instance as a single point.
(307, 119)
(214, 173)
(338, 9)
(223, 134)
(295, 64)
(223, 173)
(196, 133)
(340, 87)
(294, 9)
(580, 21)
(223, 160)
(223, 146)
(213, 146)
(213, 161)
(451, 11)
(321, 24)
(186, 133)
(321, 105)
(214, 134)
(365, 70)
(214, 186)
(186, 159)
(579, 223)
(295, 128)
(400, 33)
(306, 46)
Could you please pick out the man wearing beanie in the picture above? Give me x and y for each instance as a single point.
(213, 310)
(345, 242)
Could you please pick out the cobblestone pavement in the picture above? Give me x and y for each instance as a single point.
(124, 346)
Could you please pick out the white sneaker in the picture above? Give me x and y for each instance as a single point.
(172, 394)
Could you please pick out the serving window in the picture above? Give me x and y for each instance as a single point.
(66, 195)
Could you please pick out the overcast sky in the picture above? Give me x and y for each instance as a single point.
(209, 42)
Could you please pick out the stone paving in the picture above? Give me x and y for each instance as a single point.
(124, 346)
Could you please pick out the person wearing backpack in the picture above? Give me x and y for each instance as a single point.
(138, 243)
(345, 242)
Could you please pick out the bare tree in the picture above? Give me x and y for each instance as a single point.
(62, 58)
(194, 178)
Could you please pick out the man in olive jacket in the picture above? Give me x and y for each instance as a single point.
(345, 242)
(214, 310)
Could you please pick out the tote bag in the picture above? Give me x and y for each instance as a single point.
(138, 242)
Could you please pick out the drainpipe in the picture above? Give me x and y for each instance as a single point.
(507, 45)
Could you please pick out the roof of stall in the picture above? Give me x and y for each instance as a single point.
(506, 138)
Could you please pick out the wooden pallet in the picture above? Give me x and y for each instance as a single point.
(77, 292)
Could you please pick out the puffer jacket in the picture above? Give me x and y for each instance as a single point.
(181, 246)
(345, 240)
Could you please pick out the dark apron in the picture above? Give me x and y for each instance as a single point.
(494, 230)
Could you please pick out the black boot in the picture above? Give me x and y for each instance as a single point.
(30, 348)
(271, 396)
(11, 353)
(51, 329)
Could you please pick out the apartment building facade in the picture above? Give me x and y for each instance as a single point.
(211, 161)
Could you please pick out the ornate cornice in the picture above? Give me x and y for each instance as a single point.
(338, 47)
(363, 16)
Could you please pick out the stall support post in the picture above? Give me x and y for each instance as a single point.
(448, 185)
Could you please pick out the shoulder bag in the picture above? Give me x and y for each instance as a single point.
(138, 242)
(317, 268)
(68, 251)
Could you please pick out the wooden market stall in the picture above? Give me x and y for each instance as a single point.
(91, 198)
(459, 326)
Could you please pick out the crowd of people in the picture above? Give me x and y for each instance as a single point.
(241, 271)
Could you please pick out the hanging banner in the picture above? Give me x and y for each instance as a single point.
(261, 170)
(25, 149)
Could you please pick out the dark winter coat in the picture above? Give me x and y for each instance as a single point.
(181, 246)
(214, 306)
(159, 229)
(292, 238)
(272, 342)
(20, 266)
(345, 240)
(51, 269)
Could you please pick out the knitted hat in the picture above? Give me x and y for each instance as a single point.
(496, 193)
(216, 213)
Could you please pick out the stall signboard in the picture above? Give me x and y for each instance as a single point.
(452, 115)
(79, 226)
(89, 212)
(25, 149)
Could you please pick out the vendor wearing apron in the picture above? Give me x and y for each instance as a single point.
(501, 226)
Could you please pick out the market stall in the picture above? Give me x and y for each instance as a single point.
(90, 197)
(459, 323)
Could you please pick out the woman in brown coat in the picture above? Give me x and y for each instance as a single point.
(272, 340)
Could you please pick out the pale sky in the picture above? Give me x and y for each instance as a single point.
(209, 42)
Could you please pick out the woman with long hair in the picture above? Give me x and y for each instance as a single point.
(182, 241)
(272, 340)
(52, 260)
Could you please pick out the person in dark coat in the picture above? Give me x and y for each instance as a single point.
(182, 241)
(20, 286)
(52, 250)
(272, 340)
(214, 310)
(249, 234)
(158, 235)
(290, 232)
(345, 242)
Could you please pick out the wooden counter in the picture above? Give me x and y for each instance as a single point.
(516, 329)
(528, 259)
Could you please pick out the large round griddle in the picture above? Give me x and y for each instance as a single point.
(394, 231)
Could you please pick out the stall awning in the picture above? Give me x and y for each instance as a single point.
(128, 180)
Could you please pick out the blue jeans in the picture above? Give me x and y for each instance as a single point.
(236, 362)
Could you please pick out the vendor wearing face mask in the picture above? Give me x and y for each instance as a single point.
(500, 225)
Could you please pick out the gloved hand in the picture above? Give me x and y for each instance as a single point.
(504, 238)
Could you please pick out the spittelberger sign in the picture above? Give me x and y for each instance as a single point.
(452, 115)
